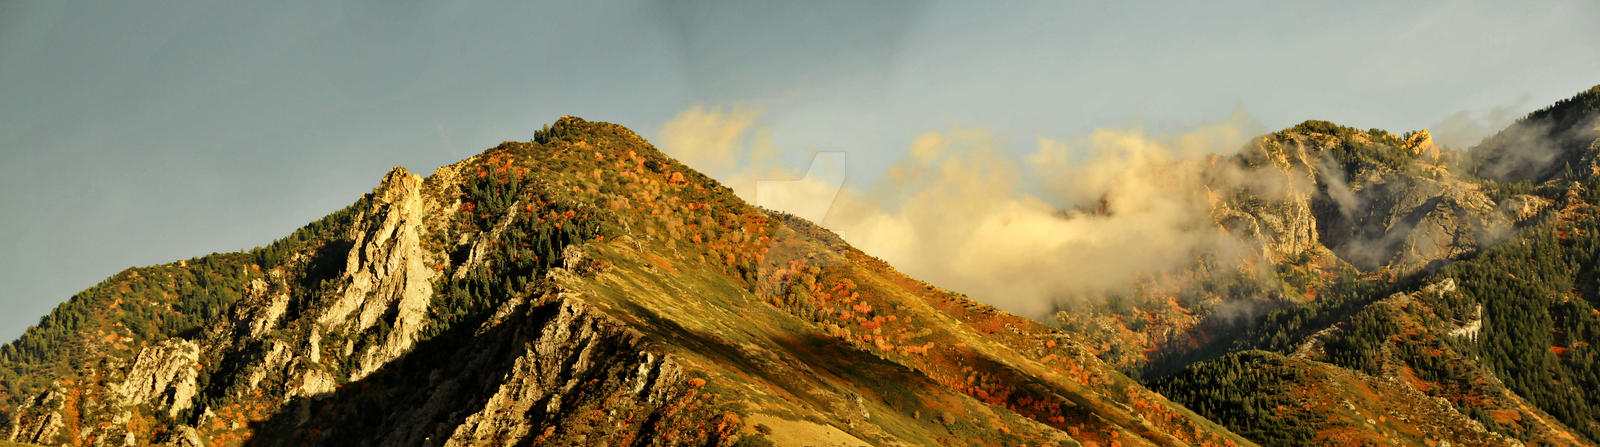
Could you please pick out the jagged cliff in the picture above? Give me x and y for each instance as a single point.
(1373, 200)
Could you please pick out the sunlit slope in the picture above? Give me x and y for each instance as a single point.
(581, 288)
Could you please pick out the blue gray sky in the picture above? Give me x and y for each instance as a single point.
(137, 133)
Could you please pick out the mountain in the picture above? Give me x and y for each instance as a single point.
(585, 289)
(1324, 210)
(581, 288)
(1403, 294)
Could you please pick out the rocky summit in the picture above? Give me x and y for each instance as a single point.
(583, 288)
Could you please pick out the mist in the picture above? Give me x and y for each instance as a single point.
(1465, 129)
(1071, 220)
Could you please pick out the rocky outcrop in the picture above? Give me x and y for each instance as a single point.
(387, 274)
(376, 278)
(162, 375)
(576, 346)
(1421, 143)
(480, 244)
(1470, 330)
(266, 317)
(1368, 214)
(1404, 223)
(1522, 207)
(1274, 209)
(555, 371)
(185, 436)
(1281, 229)
(45, 427)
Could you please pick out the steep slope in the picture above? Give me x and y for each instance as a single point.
(1556, 143)
(1338, 201)
(1280, 400)
(1500, 333)
(1366, 215)
(578, 289)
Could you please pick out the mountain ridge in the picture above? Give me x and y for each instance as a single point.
(554, 274)
(584, 288)
(1397, 316)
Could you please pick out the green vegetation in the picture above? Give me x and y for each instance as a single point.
(1357, 344)
(557, 133)
(1501, 191)
(1539, 297)
(753, 440)
(672, 253)
(1543, 145)
(1358, 150)
(1282, 329)
(531, 242)
(328, 227)
(1284, 326)
(143, 304)
(1248, 392)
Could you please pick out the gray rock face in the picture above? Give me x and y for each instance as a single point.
(162, 375)
(1406, 222)
(387, 271)
(1281, 229)
(1376, 217)
(1282, 221)
(46, 427)
(266, 318)
(575, 346)
(185, 436)
(527, 377)
(524, 374)
(386, 279)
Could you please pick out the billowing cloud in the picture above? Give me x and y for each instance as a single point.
(1101, 212)
(811, 196)
(710, 140)
(1120, 206)
(727, 145)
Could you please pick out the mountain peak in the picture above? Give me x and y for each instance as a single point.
(1421, 143)
(396, 173)
(581, 288)
(569, 120)
(398, 178)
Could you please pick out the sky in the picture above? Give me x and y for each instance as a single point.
(136, 133)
